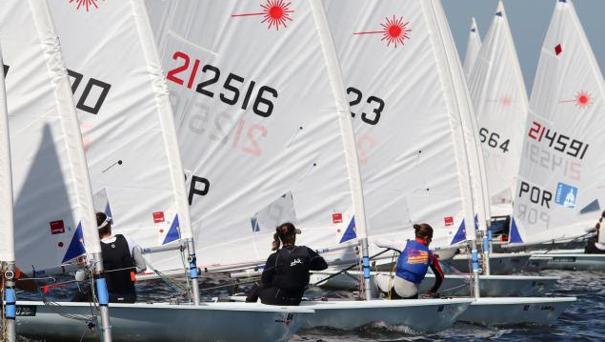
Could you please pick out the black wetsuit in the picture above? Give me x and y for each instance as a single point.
(286, 275)
(117, 256)
(591, 248)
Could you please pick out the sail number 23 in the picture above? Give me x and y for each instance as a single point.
(234, 92)
(369, 118)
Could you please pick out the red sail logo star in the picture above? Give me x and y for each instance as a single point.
(275, 12)
(505, 101)
(394, 31)
(85, 4)
(583, 99)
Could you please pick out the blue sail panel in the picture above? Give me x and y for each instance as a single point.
(350, 233)
(173, 233)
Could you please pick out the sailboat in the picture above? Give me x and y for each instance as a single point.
(127, 128)
(377, 158)
(120, 93)
(54, 223)
(498, 92)
(411, 120)
(473, 46)
(559, 192)
(266, 137)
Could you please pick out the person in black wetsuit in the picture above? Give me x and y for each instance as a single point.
(592, 245)
(121, 260)
(286, 273)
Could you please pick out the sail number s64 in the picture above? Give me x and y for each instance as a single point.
(493, 139)
(235, 90)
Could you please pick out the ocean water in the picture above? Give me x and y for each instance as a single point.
(583, 321)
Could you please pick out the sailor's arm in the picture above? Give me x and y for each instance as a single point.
(268, 271)
(318, 263)
(137, 255)
(439, 276)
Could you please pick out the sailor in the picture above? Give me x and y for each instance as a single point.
(596, 244)
(414, 260)
(286, 273)
(121, 259)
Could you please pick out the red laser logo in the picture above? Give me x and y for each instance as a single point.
(505, 101)
(85, 4)
(582, 100)
(275, 12)
(394, 31)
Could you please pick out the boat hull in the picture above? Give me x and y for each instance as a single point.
(569, 261)
(516, 310)
(458, 285)
(421, 315)
(163, 322)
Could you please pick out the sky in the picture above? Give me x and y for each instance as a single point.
(529, 21)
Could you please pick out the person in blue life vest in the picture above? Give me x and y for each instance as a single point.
(122, 259)
(286, 273)
(414, 261)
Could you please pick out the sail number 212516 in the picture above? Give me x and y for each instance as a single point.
(235, 91)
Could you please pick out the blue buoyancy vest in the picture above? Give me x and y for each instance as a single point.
(413, 262)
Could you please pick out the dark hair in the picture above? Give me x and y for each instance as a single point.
(284, 233)
(424, 231)
(101, 218)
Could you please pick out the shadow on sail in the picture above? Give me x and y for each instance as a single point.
(44, 221)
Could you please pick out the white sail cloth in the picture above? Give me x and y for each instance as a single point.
(498, 93)
(53, 204)
(7, 246)
(126, 121)
(263, 126)
(473, 46)
(408, 122)
(561, 186)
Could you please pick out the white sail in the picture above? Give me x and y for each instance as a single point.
(126, 121)
(262, 122)
(498, 92)
(462, 101)
(473, 46)
(408, 125)
(561, 186)
(7, 247)
(53, 204)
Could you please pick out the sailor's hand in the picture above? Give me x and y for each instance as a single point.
(431, 294)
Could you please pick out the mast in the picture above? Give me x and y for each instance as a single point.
(346, 128)
(7, 243)
(462, 106)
